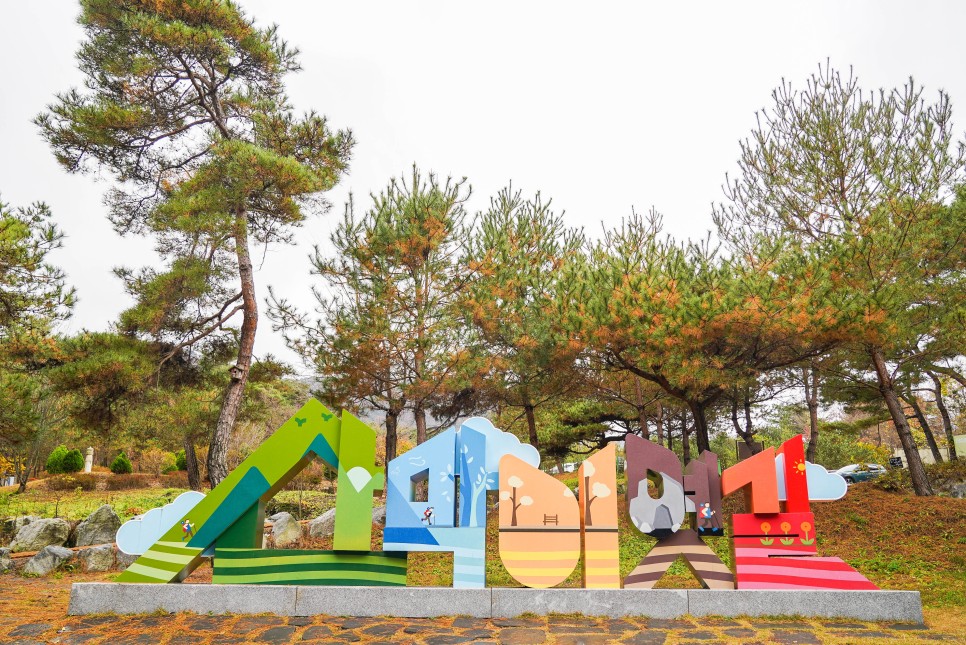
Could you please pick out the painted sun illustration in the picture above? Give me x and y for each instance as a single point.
(800, 467)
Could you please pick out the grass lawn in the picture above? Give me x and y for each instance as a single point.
(897, 540)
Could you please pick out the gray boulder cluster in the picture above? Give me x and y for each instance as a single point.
(51, 537)
(286, 530)
(93, 540)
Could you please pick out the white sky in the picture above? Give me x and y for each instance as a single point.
(601, 106)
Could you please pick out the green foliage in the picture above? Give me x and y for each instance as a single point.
(520, 254)
(55, 462)
(942, 477)
(386, 336)
(184, 104)
(32, 292)
(73, 462)
(121, 465)
(180, 461)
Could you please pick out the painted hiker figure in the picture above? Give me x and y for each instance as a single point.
(706, 514)
(428, 516)
(188, 529)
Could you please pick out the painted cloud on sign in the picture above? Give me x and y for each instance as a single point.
(137, 535)
(499, 443)
(823, 486)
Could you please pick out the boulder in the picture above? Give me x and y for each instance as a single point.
(97, 558)
(273, 518)
(958, 490)
(286, 530)
(41, 533)
(6, 562)
(11, 525)
(123, 560)
(379, 515)
(100, 527)
(49, 559)
(323, 525)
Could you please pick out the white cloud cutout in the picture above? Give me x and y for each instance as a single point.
(499, 443)
(823, 486)
(137, 535)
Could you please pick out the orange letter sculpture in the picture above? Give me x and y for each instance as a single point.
(597, 478)
(539, 525)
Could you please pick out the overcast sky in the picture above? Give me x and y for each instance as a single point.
(599, 107)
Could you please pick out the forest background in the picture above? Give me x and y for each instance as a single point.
(828, 299)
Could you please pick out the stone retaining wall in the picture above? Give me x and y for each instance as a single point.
(423, 602)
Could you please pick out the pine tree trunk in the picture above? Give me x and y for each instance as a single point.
(811, 398)
(746, 435)
(944, 413)
(420, 415)
(191, 462)
(685, 438)
(937, 455)
(659, 423)
(531, 425)
(700, 425)
(231, 405)
(22, 472)
(920, 482)
(641, 413)
(392, 424)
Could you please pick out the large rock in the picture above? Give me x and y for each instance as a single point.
(6, 562)
(123, 560)
(286, 530)
(41, 533)
(49, 559)
(379, 515)
(11, 525)
(100, 527)
(323, 525)
(97, 558)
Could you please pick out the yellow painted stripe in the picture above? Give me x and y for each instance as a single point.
(602, 554)
(538, 555)
(159, 574)
(517, 572)
(603, 585)
(602, 571)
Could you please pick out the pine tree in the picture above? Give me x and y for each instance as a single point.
(859, 178)
(387, 335)
(519, 254)
(184, 104)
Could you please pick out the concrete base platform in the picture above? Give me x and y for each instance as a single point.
(426, 602)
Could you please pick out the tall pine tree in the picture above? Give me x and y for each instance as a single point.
(184, 104)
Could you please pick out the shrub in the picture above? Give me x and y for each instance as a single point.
(88, 481)
(156, 461)
(83, 481)
(129, 481)
(942, 477)
(55, 462)
(73, 461)
(61, 482)
(175, 479)
(121, 466)
(180, 460)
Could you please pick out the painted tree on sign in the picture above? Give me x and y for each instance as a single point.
(184, 104)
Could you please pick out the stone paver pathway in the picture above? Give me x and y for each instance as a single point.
(563, 630)
(34, 611)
